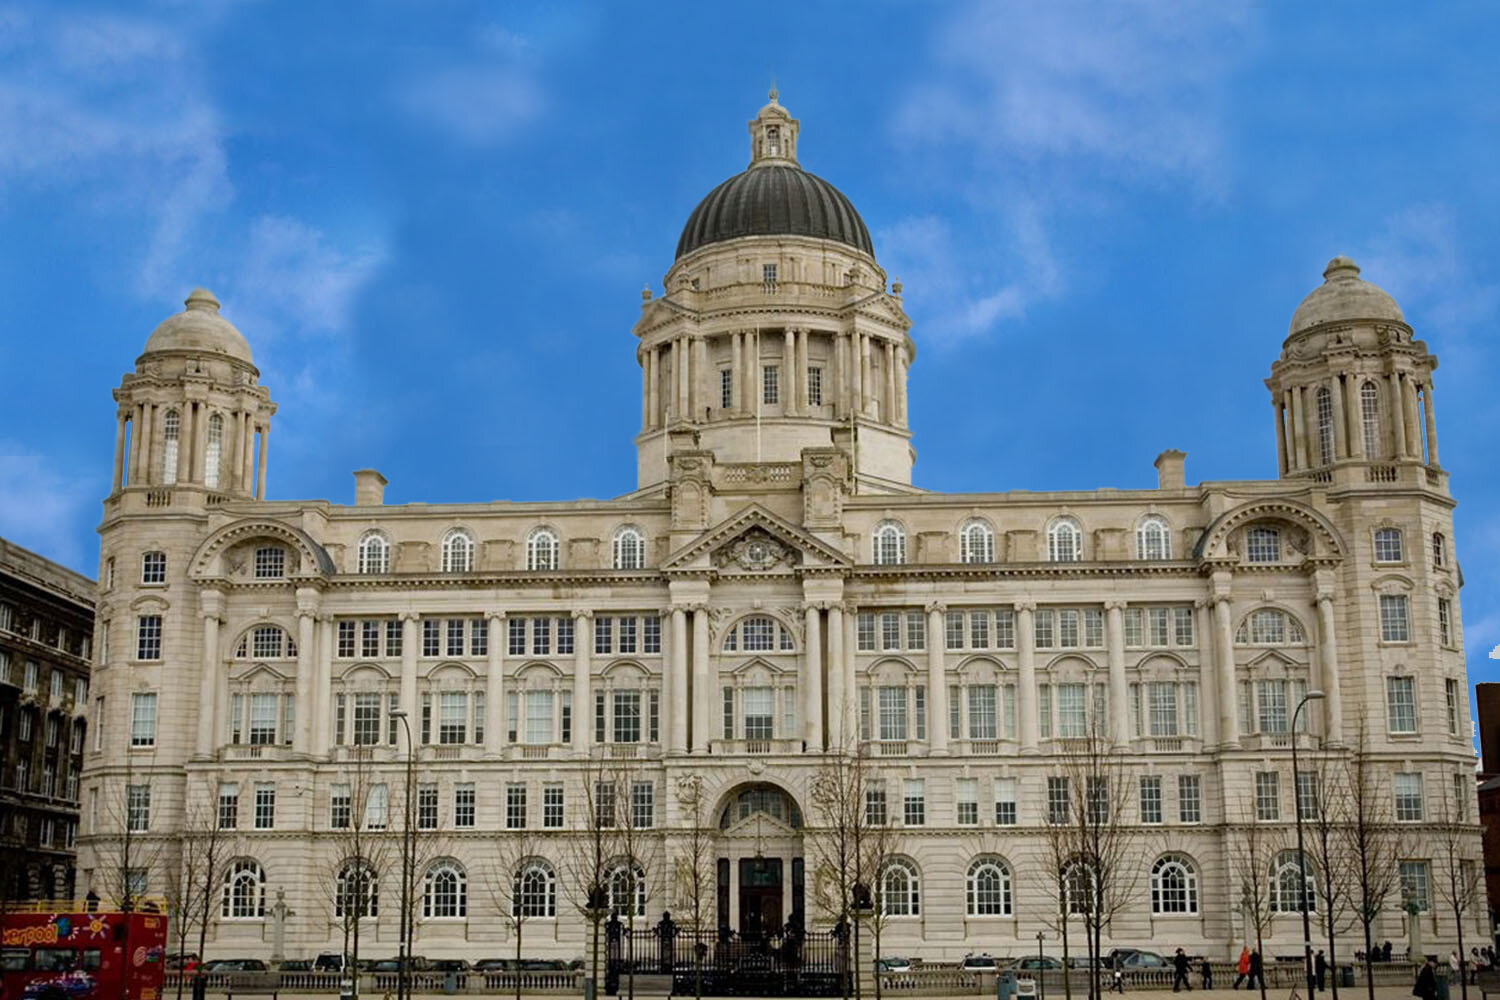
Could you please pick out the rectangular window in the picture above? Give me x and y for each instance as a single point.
(1450, 686)
(604, 804)
(1072, 711)
(1189, 799)
(814, 385)
(229, 805)
(955, 712)
(346, 640)
(1394, 623)
(262, 721)
(1005, 801)
(270, 563)
(914, 802)
(726, 388)
(979, 630)
(1044, 710)
(463, 805)
(966, 793)
(538, 717)
(864, 631)
(1408, 788)
(154, 567)
(1161, 699)
(983, 714)
(627, 716)
(1267, 796)
(453, 717)
(516, 645)
(1463, 791)
(1160, 632)
(1271, 700)
(147, 638)
(479, 637)
(1067, 629)
(552, 806)
(1151, 799)
(1005, 629)
(759, 703)
(653, 717)
(1307, 796)
(1058, 800)
(916, 630)
(541, 636)
(55, 686)
(643, 805)
(892, 713)
(1182, 619)
(138, 808)
(1043, 629)
(1445, 621)
(770, 384)
(1415, 885)
(1401, 704)
(875, 806)
(393, 637)
(431, 637)
(651, 634)
(604, 627)
(265, 807)
(366, 718)
(890, 630)
(1093, 628)
(565, 636)
(1134, 625)
(427, 806)
(953, 628)
(515, 807)
(143, 719)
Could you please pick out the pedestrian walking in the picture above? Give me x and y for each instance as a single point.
(1242, 966)
(1320, 970)
(1180, 972)
(1117, 982)
(1257, 970)
(1385, 952)
(1425, 987)
(1208, 975)
(1455, 967)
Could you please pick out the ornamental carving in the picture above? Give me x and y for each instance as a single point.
(756, 551)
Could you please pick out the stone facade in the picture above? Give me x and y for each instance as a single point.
(775, 591)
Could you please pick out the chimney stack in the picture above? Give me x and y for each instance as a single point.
(369, 488)
(1169, 475)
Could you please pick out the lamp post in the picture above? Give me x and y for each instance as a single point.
(404, 948)
(1041, 979)
(1307, 960)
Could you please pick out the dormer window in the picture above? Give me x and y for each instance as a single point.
(270, 562)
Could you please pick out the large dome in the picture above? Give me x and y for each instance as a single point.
(1343, 296)
(199, 329)
(774, 200)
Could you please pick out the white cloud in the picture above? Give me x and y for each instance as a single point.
(41, 509)
(483, 99)
(292, 275)
(1418, 257)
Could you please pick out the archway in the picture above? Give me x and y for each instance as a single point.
(761, 870)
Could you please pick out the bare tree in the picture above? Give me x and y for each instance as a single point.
(1051, 875)
(638, 838)
(1456, 840)
(846, 805)
(521, 885)
(127, 851)
(694, 868)
(193, 884)
(1374, 845)
(363, 853)
(890, 894)
(1326, 816)
(591, 849)
(1253, 852)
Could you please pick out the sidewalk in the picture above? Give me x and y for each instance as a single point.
(1345, 993)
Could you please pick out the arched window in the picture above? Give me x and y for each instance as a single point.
(446, 892)
(1369, 410)
(171, 427)
(458, 552)
(244, 891)
(630, 548)
(1286, 874)
(1324, 404)
(541, 549)
(1064, 541)
(1174, 885)
(626, 881)
(1270, 627)
(1080, 885)
(758, 634)
(900, 895)
(213, 450)
(536, 890)
(374, 553)
(1153, 538)
(1263, 545)
(1388, 547)
(358, 891)
(888, 544)
(265, 642)
(1439, 550)
(988, 893)
(976, 543)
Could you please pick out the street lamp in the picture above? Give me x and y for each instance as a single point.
(1041, 962)
(404, 949)
(1301, 856)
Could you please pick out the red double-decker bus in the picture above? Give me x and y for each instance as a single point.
(64, 951)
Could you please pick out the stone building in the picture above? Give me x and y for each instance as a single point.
(46, 640)
(776, 589)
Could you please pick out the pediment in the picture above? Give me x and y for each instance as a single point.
(755, 540)
(761, 825)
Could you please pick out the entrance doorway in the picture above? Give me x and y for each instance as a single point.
(760, 898)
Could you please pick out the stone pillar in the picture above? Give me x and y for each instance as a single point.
(1354, 412)
(583, 664)
(211, 607)
(645, 390)
(410, 637)
(901, 369)
(143, 446)
(736, 374)
(789, 372)
(187, 450)
(1277, 408)
(494, 683)
(307, 610)
(937, 682)
(1340, 428)
(260, 463)
(1431, 420)
(119, 473)
(837, 708)
(1397, 410)
(1208, 682)
(247, 455)
(323, 687)
(888, 408)
(653, 360)
(1309, 398)
(866, 374)
(678, 705)
(1229, 719)
(1409, 411)
(804, 358)
(704, 687)
(1119, 689)
(812, 682)
(1328, 666)
(851, 678)
(679, 384)
(1026, 700)
(1294, 435)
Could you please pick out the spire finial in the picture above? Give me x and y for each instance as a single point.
(774, 94)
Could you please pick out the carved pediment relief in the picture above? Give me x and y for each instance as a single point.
(755, 541)
(757, 550)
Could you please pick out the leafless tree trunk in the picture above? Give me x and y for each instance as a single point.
(364, 853)
(1456, 839)
(591, 848)
(638, 839)
(1059, 849)
(514, 850)
(844, 818)
(126, 853)
(192, 882)
(1374, 845)
(880, 845)
(694, 868)
(1327, 817)
(1253, 853)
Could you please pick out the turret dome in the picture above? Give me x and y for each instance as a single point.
(199, 329)
(1344, 296)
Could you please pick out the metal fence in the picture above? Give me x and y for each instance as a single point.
(721, 963)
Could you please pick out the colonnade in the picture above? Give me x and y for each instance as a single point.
(1300, 439)
(241, 461)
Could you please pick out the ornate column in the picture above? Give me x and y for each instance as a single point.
(866, 374)
(210, 609)
(1409, 412)
(247, 455)
(1310, 435)
(1355, 415)
(409, 640)
(678, 704)
(1431, 420)
(703, 681)
(937, 682)
(804, 358)
(260, 467)
(1119, 690)
(679, 379)
(653, 360)
(307, 610)
(143, 446)
(583, 664)
(851, 678)
(1396, 407)
(187, 451)
(494, 683)
(1277, 408)
(1340, 429)
(1293, 442)
(1229, 720)
(888, 410)
(836, 703)
(736, 374)
(1026, 701)
(901, 368)
(1208, 683)
(645, 390)
(812, 681)
(119, 474)
(1328, 663)
(323, 687)
(789, 366)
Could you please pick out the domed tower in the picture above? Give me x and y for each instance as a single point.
(1352, 390)
(192, 423)
(776, 332)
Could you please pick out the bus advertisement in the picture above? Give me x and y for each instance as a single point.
(78, 954)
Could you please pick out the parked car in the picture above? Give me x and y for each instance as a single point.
(495, 965)
(984, 962)
(893, 964)
(543, 965)
(236, 965)
(329, 961)
(414, 963)
(182, 961)
(1032, 963)
(1135, 958)
(296, 965)
(451, 965)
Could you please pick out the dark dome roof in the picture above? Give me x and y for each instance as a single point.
(774, 200)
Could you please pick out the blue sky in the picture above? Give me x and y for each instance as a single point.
(433, 222)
